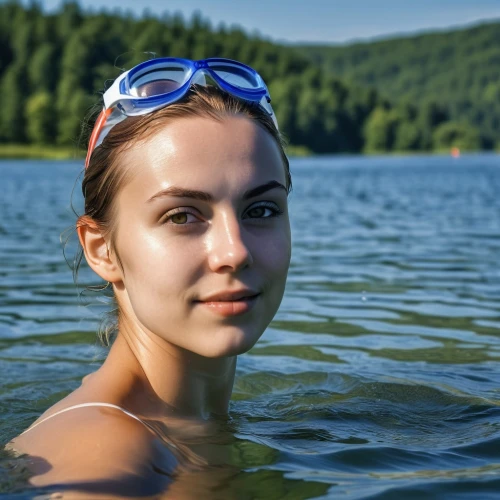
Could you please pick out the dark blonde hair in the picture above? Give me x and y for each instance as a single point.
(105, 176)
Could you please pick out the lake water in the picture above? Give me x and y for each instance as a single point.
(379, 377)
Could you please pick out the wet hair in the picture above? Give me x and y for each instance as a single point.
(105, 176)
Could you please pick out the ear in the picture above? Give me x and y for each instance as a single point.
(96, 251)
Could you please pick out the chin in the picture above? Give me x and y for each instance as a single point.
(231, 345)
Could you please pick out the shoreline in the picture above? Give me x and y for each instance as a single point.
(38, 152)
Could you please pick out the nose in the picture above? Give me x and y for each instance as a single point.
(227, 251)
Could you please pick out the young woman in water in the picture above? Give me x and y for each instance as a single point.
(186, 217)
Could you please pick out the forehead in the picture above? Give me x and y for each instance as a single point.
(221, 157)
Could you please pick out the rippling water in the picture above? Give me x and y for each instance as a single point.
(378, 378)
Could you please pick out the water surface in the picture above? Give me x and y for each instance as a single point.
(378, 378)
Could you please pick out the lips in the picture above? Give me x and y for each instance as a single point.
(229, 295)
(229, 303)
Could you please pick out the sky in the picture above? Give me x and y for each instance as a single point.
(337, 21)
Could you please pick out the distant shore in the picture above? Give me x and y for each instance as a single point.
(38, 152)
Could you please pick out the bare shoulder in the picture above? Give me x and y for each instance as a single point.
(94, 445)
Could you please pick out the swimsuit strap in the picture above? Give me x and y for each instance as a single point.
(82, 405)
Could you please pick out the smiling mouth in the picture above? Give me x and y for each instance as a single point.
(230, 307)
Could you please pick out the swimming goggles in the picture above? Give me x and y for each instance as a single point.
(157, 83)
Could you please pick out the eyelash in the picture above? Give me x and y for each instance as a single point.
(276, 212)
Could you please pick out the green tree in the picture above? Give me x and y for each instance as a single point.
(284, 97)
(429, 116)
(22, 37)
(456, 135)
(12, 99)
(43, 68)
(69, 19)
(72, 119)
(459, 69)
(40, 118)
(380, 130)
(407, 137)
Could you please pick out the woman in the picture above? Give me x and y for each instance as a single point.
(186, 217)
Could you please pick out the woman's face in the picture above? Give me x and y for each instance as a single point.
(205, 213)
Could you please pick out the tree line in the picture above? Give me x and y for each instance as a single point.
(460, 69)
(55, 66)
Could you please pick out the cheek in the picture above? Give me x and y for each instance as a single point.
(274, 252)
(150, 252)
(159, 271)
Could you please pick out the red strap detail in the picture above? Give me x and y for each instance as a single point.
(99, 124)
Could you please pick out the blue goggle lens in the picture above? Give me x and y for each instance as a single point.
(237, 76)
(170, 76)
(158, 80)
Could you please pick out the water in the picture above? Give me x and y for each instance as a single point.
(378, 378)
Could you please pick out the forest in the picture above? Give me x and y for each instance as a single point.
(426, 93)
(459, 69)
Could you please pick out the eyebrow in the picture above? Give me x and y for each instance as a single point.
(179, 192)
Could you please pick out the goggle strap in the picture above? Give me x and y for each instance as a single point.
(99, 125)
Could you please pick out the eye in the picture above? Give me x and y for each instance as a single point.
(179, 217)
(264, 210)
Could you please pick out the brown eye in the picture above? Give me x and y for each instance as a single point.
(257, 212)
(179, 218)
(265, 210)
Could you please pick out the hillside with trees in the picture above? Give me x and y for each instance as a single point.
(55, 66)
(459, 69)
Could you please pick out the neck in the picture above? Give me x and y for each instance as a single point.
(173, 379)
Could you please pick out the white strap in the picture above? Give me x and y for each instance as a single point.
(88, 404)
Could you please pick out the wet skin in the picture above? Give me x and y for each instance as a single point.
(176, 250)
